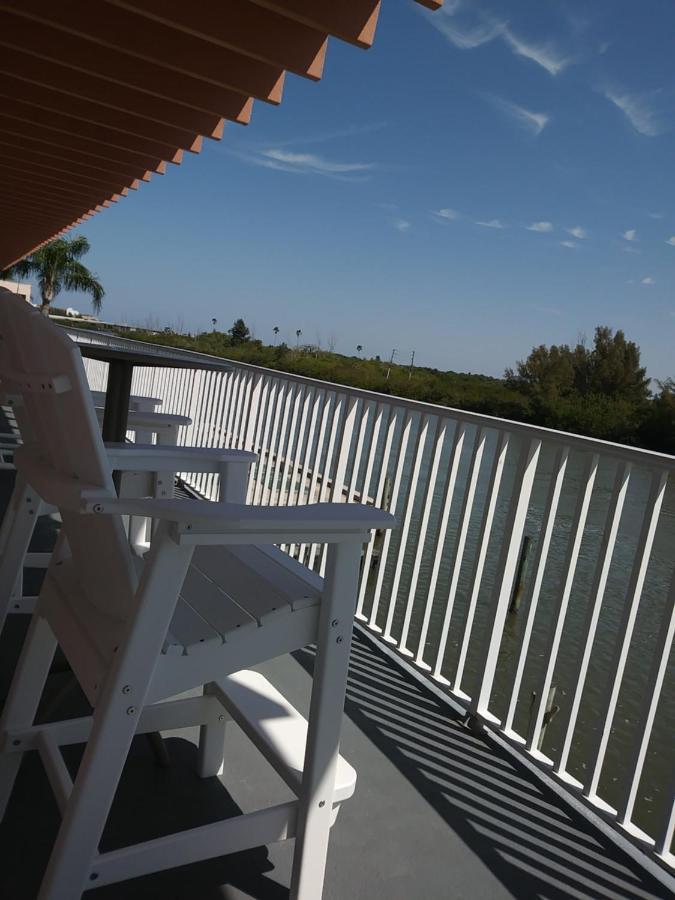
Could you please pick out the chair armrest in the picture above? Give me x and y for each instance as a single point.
(149, 421)
(158, 458)
(202, 522)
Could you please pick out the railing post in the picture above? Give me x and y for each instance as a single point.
(513, 532)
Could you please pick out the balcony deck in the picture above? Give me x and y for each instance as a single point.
(439, 811)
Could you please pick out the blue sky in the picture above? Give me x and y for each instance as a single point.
(489, 177)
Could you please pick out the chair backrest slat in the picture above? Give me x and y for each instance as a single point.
(63, 425)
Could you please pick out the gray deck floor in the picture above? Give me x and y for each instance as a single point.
(438, 812)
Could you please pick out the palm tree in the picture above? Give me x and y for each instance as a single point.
(214, 322)
(359, 348)
(57, 267)
(297, 334)
(276, 330)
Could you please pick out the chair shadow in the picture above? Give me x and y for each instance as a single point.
(514, 824)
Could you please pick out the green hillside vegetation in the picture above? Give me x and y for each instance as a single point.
(599, 390)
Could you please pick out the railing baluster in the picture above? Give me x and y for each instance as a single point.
(340, 477)
(328, 400)
(411, 491)
(263, 462)
(595, 600)
(316, 402)
(384, 552)
(514, 528)
(387, 417)
(539, 566)
(429, 488)
(215, 439)
(253, 412)
(653, 688)
(381, 416)
(296, 469)
(325, 475)
(232, 408)
(626, 627)
(666, 830)
(291, 446)
(280, 411)
(441, 531)
(358, 452)
(239, 412)
(256, 444)
(559, 613)
(282, 443)
(494, 484)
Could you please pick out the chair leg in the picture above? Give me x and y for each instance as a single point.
(70, 870)
(211, 744)
(17, 530)
(325, 720)
(24, 696)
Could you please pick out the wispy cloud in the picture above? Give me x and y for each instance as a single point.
(308, 164)
(545, 55)
(466, 37)
(569, 244)
(534, 122)
(491, 223)
(639, 110)
(401, 225)
(671, 241)
(480, 28)
(541, 227)
(656, 215)
(578, 232)
(630, 235)
(628, 249)
(648, 280)
(445, 215)
(326, 136)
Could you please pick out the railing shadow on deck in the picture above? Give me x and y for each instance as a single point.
(516, 827)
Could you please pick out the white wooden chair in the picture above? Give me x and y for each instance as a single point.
(210, 599)
(25, 507)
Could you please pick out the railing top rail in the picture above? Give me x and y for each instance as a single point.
(635, 455)
(89, 336)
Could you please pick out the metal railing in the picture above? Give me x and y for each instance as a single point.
(532, 573)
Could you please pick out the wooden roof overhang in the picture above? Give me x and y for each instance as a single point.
(97, 96)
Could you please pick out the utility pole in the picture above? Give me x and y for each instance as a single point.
(412, 363)
(391, 362)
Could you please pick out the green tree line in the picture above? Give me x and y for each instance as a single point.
(600, 390)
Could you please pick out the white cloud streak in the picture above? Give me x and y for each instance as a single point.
(541, 227)
(571, 245)
(630, 235)
(401, 225)
(545, 55)
(307, 164)
(648, 280)
(310, 162)
(671, 241)
(445, 215)
(638, 109)
(578, 232)
(491, 223)
(486, 28)
(534, 122)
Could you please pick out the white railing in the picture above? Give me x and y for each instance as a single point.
(593, 635)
